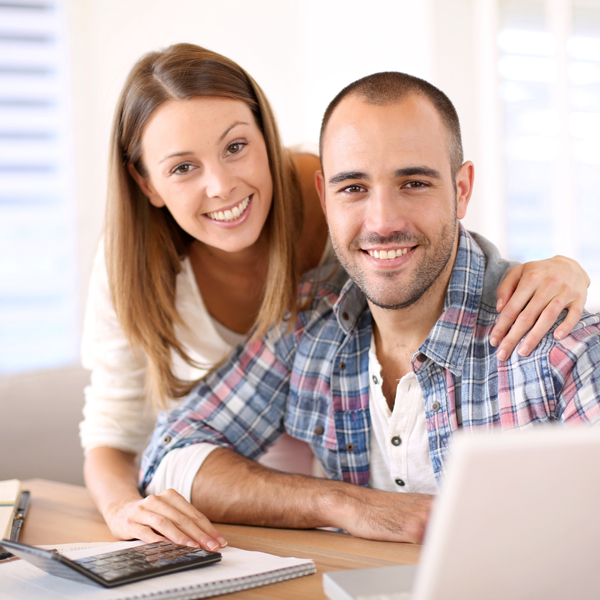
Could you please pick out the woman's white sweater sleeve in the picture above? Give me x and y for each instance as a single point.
(116, 413)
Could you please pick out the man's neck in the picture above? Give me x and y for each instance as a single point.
(399, 333)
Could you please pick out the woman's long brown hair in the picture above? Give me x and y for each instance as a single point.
(144, 245)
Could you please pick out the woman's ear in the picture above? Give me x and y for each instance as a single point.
(146, 187)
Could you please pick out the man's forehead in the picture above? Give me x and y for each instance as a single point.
(358, 129)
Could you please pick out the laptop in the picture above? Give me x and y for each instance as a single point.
(518, 518)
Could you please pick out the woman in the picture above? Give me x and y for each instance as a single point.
(209, 224)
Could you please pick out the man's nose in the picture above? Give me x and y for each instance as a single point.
(220, 182)
(386, 212)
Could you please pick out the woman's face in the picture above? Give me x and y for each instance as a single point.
(206, 161)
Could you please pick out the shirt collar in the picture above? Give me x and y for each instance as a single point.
(449, 340)
(349, 306)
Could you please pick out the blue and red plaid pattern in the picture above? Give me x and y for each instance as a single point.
(313, 381)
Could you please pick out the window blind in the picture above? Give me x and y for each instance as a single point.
(38, 295)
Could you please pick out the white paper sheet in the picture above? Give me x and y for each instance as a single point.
(20, 580)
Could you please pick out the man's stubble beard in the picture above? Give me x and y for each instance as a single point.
(424, 277)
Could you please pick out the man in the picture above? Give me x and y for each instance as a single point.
(392, 355)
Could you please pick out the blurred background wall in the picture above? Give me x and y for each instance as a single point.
(523, 74)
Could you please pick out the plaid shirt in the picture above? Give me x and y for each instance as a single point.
(313, 382)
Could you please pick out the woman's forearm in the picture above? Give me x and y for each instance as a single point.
(111, 478)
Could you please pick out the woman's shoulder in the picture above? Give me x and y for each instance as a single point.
(313, 239)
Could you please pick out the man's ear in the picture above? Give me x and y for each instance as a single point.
(464, 188)
(320, 185)
(146, 187)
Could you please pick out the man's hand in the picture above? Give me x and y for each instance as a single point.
(376, 515)
(229, 488)
(531, 298)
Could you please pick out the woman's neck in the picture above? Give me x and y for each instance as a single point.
(231, 283)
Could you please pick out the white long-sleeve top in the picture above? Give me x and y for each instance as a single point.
(117, 412)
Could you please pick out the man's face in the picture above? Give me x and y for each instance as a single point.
(389, 197)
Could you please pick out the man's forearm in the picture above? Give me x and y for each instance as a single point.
(229, 488)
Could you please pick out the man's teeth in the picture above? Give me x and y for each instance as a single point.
(387, 254)
(231, 214)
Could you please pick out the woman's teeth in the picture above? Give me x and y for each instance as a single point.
(387, 254)
(230, 214)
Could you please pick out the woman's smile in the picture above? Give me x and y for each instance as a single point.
(232, 214)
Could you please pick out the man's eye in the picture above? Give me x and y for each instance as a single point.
(235, 148)
(353, 189)
(415, 184)
(182, 169)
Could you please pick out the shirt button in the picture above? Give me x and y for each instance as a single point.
(421, 357)
(396, 441)
(436, 406)
(167, 439)
(342, 366)
(345, 316)
(375, 380)
(400, 482)
(318, 430)
(350, 447)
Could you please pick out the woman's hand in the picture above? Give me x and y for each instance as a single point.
(111, 478)
(531, 298)
(166, 516)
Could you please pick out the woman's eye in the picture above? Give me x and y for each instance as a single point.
(182, 169)
(235, 148)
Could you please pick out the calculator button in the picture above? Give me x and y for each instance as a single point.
(99, 570)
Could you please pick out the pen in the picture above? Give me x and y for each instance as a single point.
(20, 514)
(18, 520)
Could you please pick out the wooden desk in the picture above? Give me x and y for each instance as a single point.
(61, 513)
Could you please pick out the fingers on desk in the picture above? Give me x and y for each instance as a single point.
(169, 516)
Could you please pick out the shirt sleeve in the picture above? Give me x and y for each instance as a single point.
(239, 406)
(575, 364)
(116, 413)
(178, 469)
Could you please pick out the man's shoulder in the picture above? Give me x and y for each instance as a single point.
(496, 268)
(581, 347)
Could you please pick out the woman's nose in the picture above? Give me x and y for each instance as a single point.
(220, 182)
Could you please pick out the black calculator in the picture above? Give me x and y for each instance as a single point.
(118, 567)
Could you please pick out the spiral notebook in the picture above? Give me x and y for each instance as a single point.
(239, 570)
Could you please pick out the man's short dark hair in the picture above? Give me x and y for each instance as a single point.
(390, 87)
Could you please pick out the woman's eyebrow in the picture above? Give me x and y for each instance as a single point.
(172, 155)
(230, 128)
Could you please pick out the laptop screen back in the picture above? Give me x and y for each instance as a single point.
(517, 518)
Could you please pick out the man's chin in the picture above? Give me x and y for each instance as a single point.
(392, 303)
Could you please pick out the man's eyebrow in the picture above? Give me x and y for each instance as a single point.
(347, 175)
(410, 171)
(186, 152)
